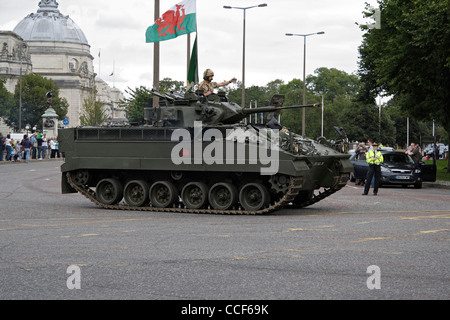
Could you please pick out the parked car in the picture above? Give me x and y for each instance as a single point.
(398, 168)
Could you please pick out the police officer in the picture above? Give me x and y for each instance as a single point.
(208, 86)
(374, 158)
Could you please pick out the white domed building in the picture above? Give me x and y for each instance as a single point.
(55, 47)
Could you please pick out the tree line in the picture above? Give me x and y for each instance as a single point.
(343, 107)
(342, 93)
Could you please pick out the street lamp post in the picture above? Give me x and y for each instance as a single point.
(243, 47)
(304, 74)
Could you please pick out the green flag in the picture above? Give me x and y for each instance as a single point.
(193, 65)
(178, 20)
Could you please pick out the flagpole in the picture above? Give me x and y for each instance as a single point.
(99, 58)
(156, 33)
(322, 116)
(156, 61)
(188, 45)
(114, 74)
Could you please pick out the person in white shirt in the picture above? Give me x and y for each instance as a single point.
(44, 146)
(8, 147)
(53, 148)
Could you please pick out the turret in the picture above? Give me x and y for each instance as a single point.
(183, 110)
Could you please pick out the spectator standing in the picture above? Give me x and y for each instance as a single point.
(57, 148)
(34, 144)
(52, 148)
(361, 148)
(8, 147)
(27, 147)
(436, 150)
(44, 146)
(2, 146)
(39, 145)
(369, 144)
(414, 153)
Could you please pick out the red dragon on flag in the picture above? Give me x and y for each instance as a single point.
(171, 20)
(178, 20)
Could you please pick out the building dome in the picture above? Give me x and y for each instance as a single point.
(48, 24)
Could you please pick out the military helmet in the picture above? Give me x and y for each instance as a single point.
(208, 73)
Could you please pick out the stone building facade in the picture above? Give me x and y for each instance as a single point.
(52, 45)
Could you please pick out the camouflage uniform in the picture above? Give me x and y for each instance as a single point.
(208, 86)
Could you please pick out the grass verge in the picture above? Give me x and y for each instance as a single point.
(441, 167)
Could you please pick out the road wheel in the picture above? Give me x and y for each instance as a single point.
(135, 193)
(80, 177)
(163, 194)
(254, 196)
(195, 195)
(109, 191)
(223, 196)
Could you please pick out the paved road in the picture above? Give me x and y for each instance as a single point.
(321, 252)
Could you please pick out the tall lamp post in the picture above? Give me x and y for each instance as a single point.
(304, 74)
(243, 47)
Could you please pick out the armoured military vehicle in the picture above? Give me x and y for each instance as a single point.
(200, 155)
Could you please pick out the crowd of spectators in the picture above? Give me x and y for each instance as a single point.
(36, 146)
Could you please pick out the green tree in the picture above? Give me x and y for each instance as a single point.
(169, 85)
(92, 113)
(361, 121)
(6, 98)
(338, 89)
(141, 97)
(34, 101)
(332, 83)
(408, 57)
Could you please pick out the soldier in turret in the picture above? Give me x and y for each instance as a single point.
(208, 86)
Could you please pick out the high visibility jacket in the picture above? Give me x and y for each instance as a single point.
(373, 157)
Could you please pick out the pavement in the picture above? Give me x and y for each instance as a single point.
(4, 162)
(438, 184)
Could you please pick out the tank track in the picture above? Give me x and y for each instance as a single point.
(287, 201)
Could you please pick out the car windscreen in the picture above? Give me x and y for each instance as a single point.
(397, 158)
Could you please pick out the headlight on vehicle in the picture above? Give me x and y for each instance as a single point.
(417, 171)
(384, 169)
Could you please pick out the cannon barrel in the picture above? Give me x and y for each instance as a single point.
(273, 109)
(182, 110)
(161, 95)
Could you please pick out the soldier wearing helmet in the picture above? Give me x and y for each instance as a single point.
(208, 86)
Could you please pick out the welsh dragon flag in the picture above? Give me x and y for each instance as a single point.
(178, 20)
